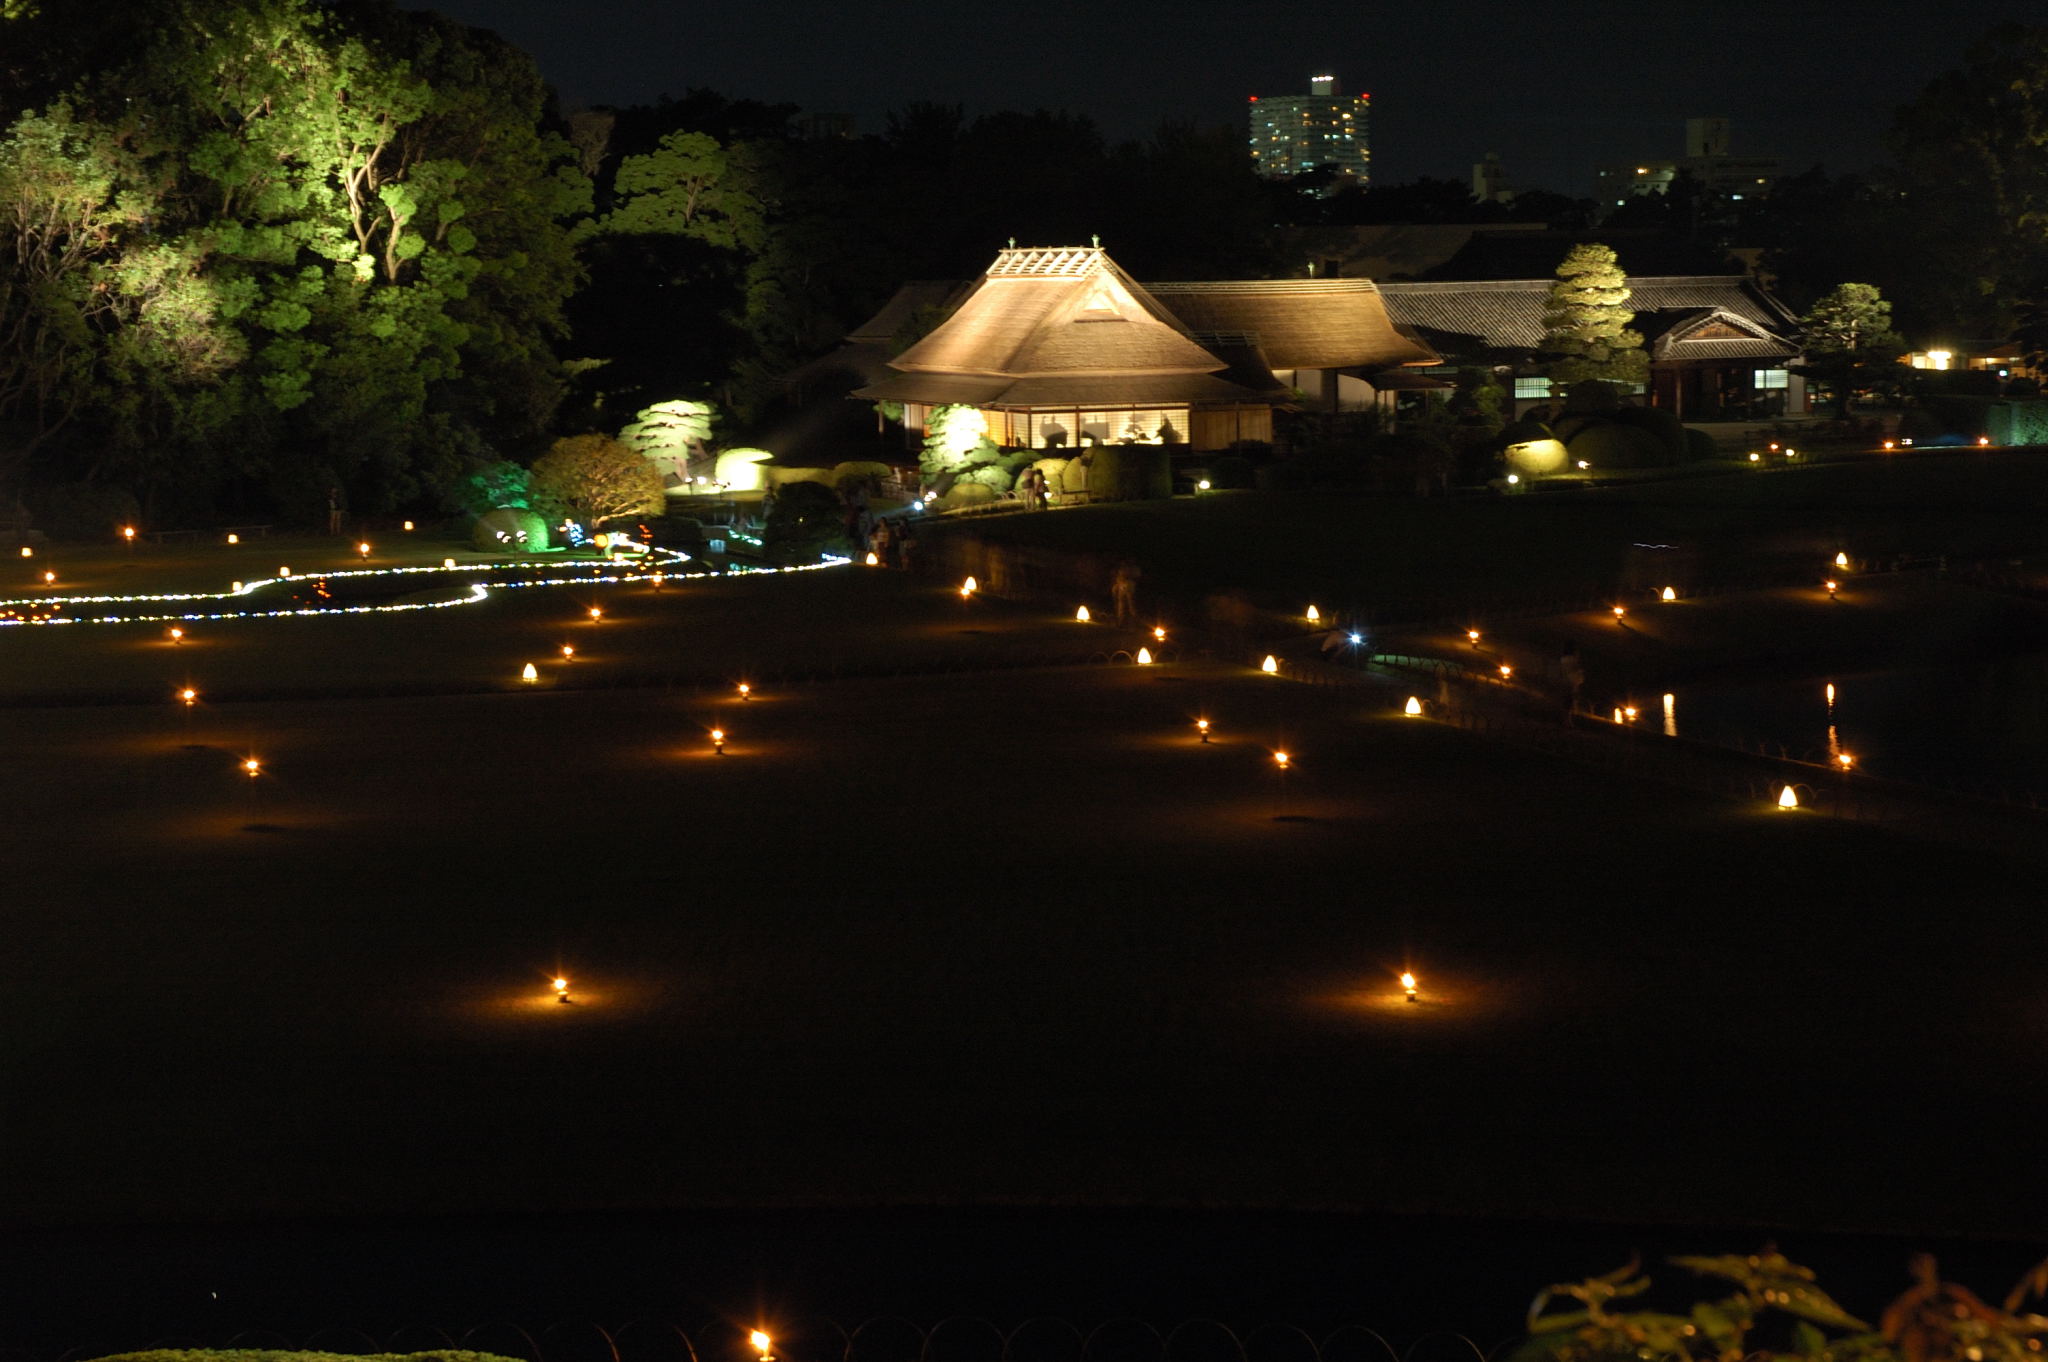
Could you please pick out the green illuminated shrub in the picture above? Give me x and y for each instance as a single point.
(964, 494)
(993, 476)
(1074, 477)
(510, 529)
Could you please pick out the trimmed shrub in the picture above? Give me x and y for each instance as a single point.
(1660, 425)
(1074, 477)
(1130, 473)
(964, 494)
(510, 529)
(861, 468)
(1522, 432)
(1592, 397)
(83, 510)
(1054, 470)
(777, 476)
(1613, 445)
(1700, 445)
(1232, 470)
(2021, 422)
(993, 476)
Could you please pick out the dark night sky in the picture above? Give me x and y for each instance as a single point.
(1553, 87)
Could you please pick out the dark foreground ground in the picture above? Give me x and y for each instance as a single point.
(1002, 939)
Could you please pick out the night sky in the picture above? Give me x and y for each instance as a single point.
(1553, 87)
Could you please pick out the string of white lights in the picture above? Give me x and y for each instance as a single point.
(479, 591)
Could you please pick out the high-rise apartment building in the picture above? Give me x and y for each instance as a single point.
(1293, 134)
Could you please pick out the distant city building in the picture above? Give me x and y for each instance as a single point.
(1294, 134)
(814, 126)
(1708, 159)
(1490, 181)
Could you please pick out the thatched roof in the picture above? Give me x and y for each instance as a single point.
(1299, 323)
(1069, 312)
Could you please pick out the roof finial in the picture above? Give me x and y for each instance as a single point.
(1013, 243)
(1095, 241)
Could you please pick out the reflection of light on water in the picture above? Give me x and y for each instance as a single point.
(1834, 739)
(1670, 715)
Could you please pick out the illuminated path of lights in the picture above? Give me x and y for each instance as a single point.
(203, 605)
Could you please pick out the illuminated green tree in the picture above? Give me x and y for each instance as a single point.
(676, 432)
(1585, 321)
(597, 480)
(1848, 341)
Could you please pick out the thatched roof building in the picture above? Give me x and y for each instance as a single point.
(1058, 346)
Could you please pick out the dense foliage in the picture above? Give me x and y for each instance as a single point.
(258, 248)
(1585, 321)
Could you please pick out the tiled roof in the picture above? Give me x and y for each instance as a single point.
(1508, 314)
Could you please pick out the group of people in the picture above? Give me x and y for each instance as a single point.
(893, 542)
(1031, 489)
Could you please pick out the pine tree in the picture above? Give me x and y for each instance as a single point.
(1849, 342)
(1585, 322)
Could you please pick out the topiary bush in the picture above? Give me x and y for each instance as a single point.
(1613, 445)
(1130, 473)
(1700, 445)
(1659, 425)
(510, 529)
(993, 476)
(807, 519)
(1074, 477)
(964, 494)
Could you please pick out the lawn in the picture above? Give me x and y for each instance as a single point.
(1006, 937)
(1397, 558)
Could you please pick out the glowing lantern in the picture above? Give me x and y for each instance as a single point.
(234, 539)
(27, 552)
(1791, 453)
(1788, 800)
(1756, 458)
(363, 550)
(760, 1342)
(1472, 637)
(1832, 587)
(1983, 441)
(284, 572)
(1315, 616)
(1280, 759)
(1159, 633)
(408, 527)
(1831, 693)
(561, 986)
(235, 589)
(1891, 444)
(746, 691)
(1413, 708)
(177, 634)
(1841, 560)
(1506, 671)
(1202, 727)
(1670, 593)
(871, 560)
(718, 741)
(1845, 760)
(1081, 615)
(252, 767)
(969, 587)
(530, 675)
(568, 650)
(1271, 666)
(1628, 712)
(1202, 486)
(1408, 985)
(128, 533)
(1620, 610)
(49, 579)
(596, 614)
(1144, 657)
(447, 563)
(189, 696)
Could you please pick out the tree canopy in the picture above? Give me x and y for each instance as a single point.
(1586, 319)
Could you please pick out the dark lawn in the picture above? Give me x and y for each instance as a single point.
(1400, 558)
(979, 938)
